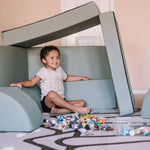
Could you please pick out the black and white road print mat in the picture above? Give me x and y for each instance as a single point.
(56, 139)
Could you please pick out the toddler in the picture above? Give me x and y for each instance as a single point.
(51, 78)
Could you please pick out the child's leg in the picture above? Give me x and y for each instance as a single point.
(53, 97)
(76, 103)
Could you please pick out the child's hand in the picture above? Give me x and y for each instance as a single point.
(16, 84)
(87, 78)
(77, 78)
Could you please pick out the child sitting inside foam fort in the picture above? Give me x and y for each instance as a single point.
(51, 78)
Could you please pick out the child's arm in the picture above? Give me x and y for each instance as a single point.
(28, 83)
(77, 78)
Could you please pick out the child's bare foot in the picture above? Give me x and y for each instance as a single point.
(61, 111)
(52, 110)
(83, 110)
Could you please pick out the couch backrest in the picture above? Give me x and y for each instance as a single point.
(19, 64)
(13, 65)
(89, 61)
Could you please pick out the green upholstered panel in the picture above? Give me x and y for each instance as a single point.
(13, 65)
(18, 111)
(34, 62)
(96, 93)
(145, 111)
(117, 63)
(89, 61)
(58, 26)
(35, 93)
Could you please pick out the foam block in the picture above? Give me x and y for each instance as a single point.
(61, 26)
(35, 94)
(103, 95)
(117, 63)
(13, 65)
(145, 111)
(52, 28)
(89, 61)
(18, 111)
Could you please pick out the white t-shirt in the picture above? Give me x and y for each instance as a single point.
(52, 81)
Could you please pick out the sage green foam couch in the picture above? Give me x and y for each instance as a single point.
(105, 64)
(21, 110)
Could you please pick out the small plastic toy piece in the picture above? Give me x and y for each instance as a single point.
(75, 126)
(98, 123)
(87, 127)
(62, 127)
(60, 118)
(54, 122)
(80, 126)
(106, 128)
(45, 121)
(146, 131)
(102, 120)
(125, 132)
(138, 131)
(84, 124)
(49, 125)
(132, 132)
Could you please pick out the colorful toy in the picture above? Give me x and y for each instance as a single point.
(85, 123)
(49, 125)
(130, 130)
(106, 128)
(146, 131)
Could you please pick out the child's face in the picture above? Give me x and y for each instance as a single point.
(52, 60)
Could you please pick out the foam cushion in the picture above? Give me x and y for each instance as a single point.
(117, 63)
(145, 111)
(13, 65)
(50, 29)
(18, 111)
(55, 27)
(103, 95)
(35, 93)
(89, 61)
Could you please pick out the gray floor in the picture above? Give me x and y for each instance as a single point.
(53, 138)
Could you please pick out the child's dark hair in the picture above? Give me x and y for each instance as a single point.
(46, 49)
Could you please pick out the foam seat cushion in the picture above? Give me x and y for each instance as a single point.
(103, 95)
(19, 112)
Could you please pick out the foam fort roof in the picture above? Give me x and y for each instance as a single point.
(54, 27)
(80, 19)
